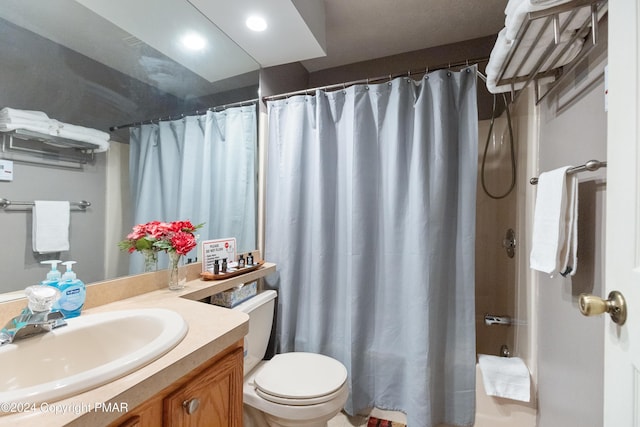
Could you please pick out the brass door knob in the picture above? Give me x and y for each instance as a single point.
(615, 305)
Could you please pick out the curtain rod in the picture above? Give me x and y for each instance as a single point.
(409, 73)
(191, 113)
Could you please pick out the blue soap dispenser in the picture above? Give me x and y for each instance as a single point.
(72, 292)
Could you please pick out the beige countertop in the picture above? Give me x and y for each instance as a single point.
(211, 330)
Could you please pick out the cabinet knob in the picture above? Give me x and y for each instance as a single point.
(615, 305)
(191, 405)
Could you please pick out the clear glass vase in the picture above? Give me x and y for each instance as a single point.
(150, 260)
(177, 272)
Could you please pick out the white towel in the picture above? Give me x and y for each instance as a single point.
(554, 242)
(50, 230)
(12, 119)
(79, 133)
(15, 114)
(506, 377)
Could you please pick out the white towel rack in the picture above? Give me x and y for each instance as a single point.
(591, 165)
(555, 49)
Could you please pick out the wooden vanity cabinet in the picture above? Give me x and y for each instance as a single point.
(210, 395)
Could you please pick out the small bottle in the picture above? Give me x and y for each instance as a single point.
(72, 292)
(249, 259)
(216, 266)
(224, 265)
(240, 261)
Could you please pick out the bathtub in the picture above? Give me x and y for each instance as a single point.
(498, 412)
(490, 411)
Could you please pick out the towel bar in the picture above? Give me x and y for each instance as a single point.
(591, 165)
(5, 203)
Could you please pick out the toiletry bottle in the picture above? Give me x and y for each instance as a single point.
(249, 259)
(72, 292)
(216, 266)
(224, 265)
(241, 261)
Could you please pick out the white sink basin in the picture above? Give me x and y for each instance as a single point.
(91, 350)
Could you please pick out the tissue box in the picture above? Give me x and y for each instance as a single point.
(232, 297)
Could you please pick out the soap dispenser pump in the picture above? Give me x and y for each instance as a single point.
(53, 275)
(72, 292)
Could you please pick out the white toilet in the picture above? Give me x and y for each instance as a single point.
(292, 389)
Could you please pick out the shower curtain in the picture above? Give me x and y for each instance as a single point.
(200, 168)
(370, 218)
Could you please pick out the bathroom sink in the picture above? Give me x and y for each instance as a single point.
(90, 351)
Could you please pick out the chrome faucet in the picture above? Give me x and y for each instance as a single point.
(36, 318)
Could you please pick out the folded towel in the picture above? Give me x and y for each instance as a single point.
(75, 129)
(96, 137)
(50, 229)
(15, 114)
(34, 126)
(554, 241)
(506, 377)
(12, 119)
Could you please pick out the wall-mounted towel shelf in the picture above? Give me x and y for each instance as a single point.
(5, 203)
(579, 18)
(53, 149)
(591, 165)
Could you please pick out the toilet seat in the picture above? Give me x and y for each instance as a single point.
(300, 379)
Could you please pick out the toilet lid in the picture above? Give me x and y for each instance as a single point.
(300, 376)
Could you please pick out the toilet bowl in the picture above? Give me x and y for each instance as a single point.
(296, 389)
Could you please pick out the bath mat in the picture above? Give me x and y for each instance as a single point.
(377, 422)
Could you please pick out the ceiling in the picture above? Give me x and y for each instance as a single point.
(359, 30)
(140, 40)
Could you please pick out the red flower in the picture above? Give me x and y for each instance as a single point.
(176, 236)
(183, 242)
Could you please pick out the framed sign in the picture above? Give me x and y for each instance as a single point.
(217, 249)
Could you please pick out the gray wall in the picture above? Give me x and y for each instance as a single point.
(571, 346)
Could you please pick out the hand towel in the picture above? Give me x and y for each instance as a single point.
(50, 229)
(554, 240)
(506, 377)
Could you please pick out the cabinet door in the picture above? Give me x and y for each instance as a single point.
(149, 414)
(213, 398)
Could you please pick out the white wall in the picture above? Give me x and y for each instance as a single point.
(567, 128)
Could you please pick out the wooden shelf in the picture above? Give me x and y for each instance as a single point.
(199, 289)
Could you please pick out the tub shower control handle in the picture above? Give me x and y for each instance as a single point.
(615, 305)
(509, 243)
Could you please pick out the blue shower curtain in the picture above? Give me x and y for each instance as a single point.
(370, 218)
(200, 168)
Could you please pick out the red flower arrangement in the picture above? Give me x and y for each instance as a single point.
(176, 236)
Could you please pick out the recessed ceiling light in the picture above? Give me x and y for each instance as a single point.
(194, 41)
(256, 23)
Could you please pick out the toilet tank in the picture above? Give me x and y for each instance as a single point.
(260, 309)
